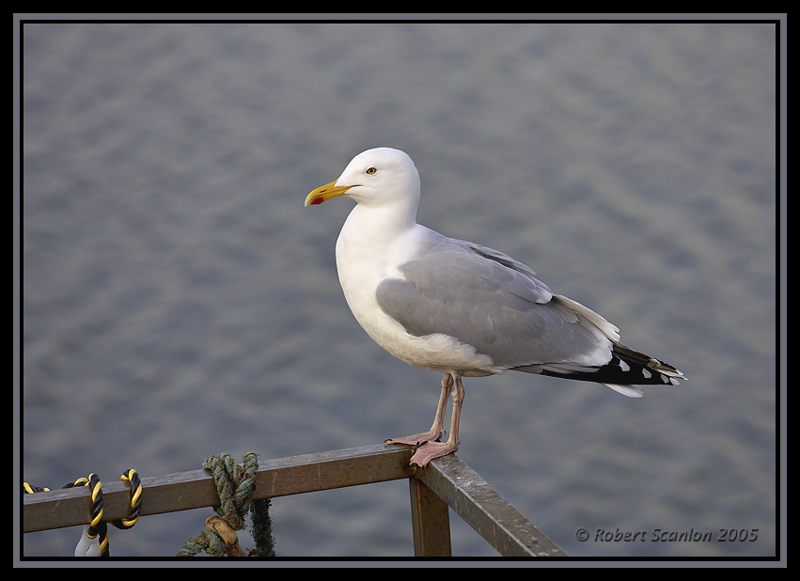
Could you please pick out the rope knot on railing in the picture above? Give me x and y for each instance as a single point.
(94, 540)
(235, 487)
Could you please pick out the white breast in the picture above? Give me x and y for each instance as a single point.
(363, 260)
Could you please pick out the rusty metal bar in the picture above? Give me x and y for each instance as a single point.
(482, 507)
(444, 482)
(196, 489)
(430, 519)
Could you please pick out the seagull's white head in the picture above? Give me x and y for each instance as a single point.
(375, 177)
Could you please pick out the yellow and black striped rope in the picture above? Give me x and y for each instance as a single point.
(97, 527)
(130, 476)
(28, 489)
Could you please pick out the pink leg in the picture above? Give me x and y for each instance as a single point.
(431, 450)
(437, 429)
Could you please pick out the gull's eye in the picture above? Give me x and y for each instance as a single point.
(371, 171)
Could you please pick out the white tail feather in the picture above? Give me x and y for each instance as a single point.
(626, 390)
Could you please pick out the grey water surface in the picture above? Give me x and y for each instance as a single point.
(179, 301)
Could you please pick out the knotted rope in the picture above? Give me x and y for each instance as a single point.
(94, 541)
(235, 487)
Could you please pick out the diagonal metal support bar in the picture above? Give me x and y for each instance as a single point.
(482, 507)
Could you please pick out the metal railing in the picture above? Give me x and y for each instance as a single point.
(445, 482)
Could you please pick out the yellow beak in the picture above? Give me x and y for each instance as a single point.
(325, 192)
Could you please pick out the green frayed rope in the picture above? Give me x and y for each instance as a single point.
(235, 487)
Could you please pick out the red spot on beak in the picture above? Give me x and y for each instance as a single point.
(316, 201)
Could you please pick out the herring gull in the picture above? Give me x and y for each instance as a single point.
(460, 308)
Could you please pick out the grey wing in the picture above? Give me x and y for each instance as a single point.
(494, 303)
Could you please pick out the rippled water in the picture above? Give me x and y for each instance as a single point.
(179, 301)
